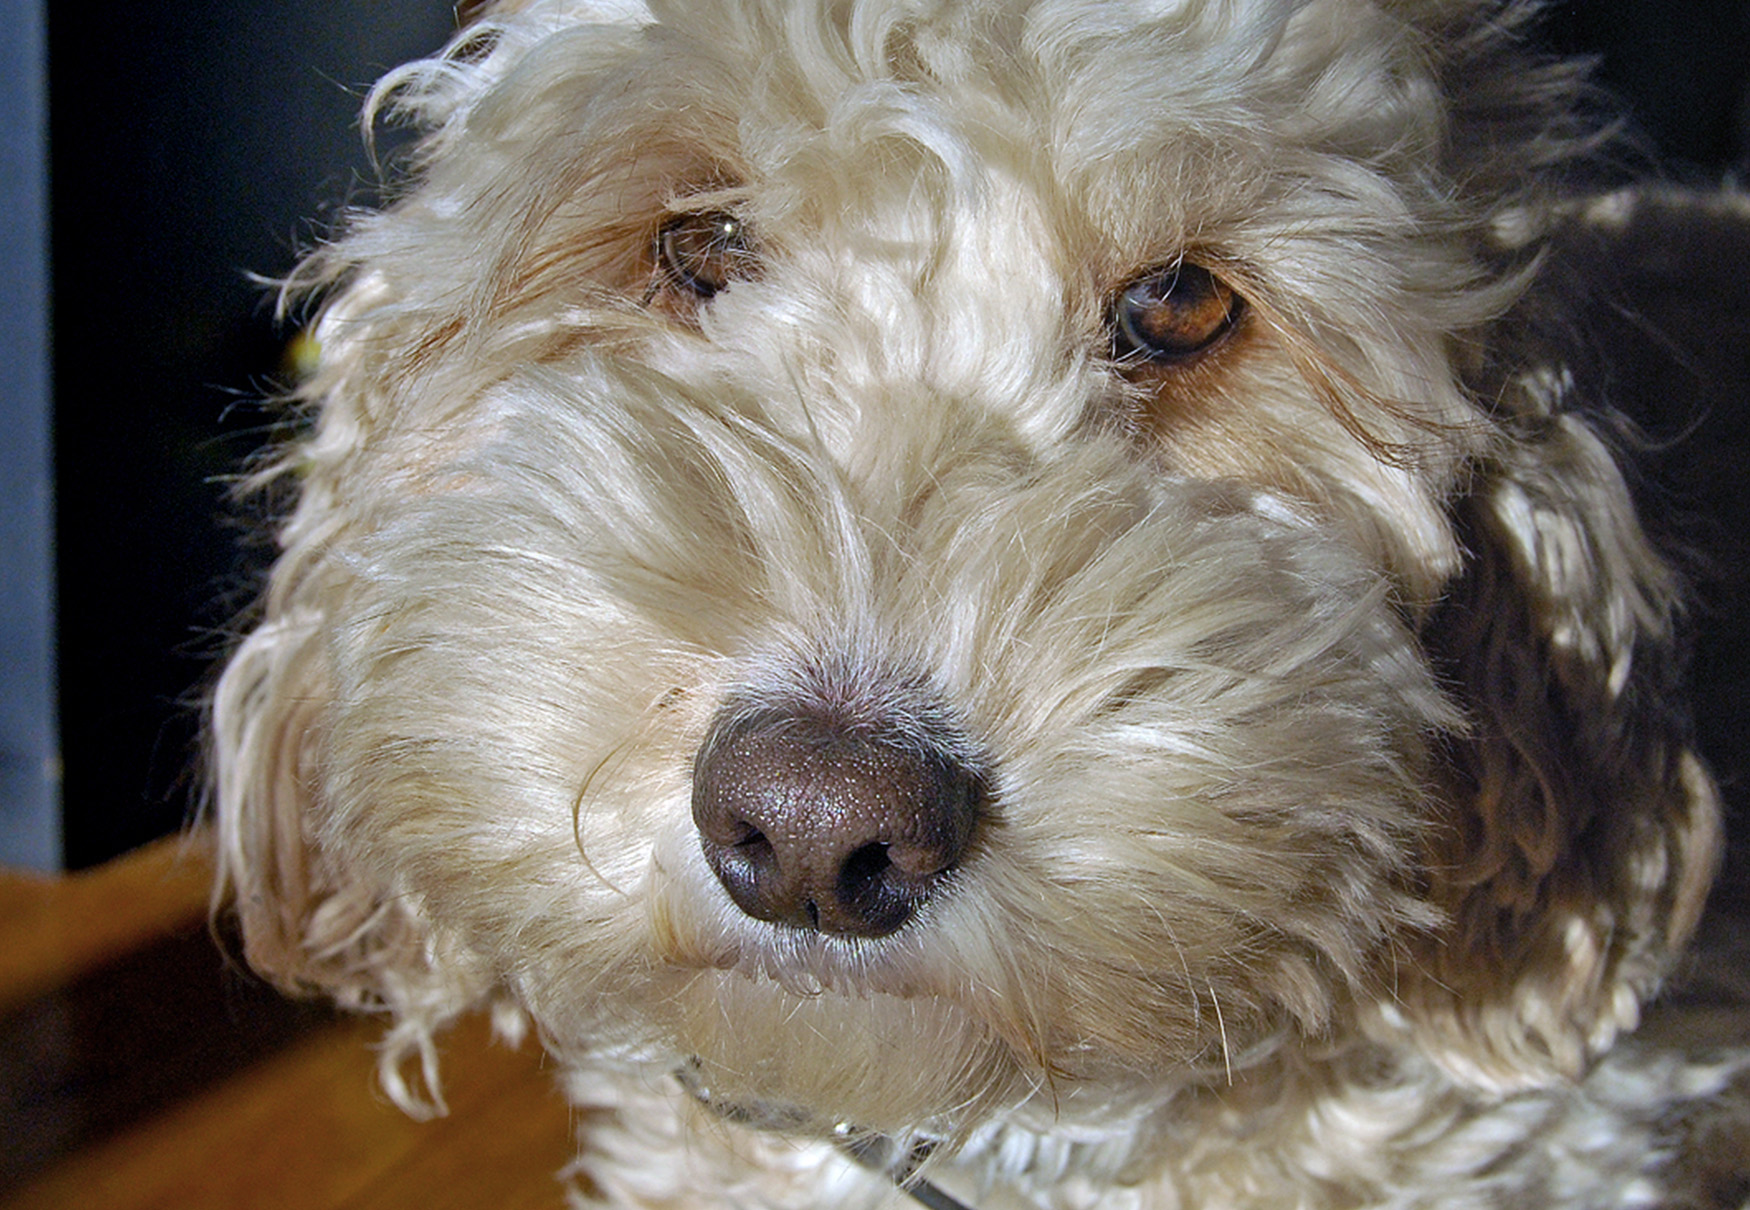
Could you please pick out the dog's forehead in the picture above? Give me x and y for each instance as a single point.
(1109, 136)
(1082, 82)
(1139, 124)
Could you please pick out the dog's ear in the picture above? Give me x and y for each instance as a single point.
(1583, 830)
(313, 921)
(297, 909)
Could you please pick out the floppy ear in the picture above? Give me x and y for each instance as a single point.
(312, 920)
(1583, 830)
(306, 922)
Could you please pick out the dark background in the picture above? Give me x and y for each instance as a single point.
(192, 144)
(195, 143)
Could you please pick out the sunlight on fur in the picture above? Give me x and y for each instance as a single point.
(972, 580)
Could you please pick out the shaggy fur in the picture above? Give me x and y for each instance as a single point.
(1297, 647)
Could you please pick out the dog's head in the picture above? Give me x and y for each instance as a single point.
(903, 557)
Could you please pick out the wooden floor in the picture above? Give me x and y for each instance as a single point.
(137, 1070)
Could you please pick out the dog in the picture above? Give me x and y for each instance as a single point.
(995, 603)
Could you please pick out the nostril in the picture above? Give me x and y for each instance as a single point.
(867, 862)
(867, 865)
(746, 864)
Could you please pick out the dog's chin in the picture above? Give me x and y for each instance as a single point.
(838, 1060)
(846, 1060)
(814, 1033)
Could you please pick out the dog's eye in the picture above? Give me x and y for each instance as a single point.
(704, 252)
(1171, 314)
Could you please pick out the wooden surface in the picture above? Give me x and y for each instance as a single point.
(55, 929)
(138, 1068)
(306, 1129)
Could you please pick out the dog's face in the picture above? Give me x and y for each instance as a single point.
(885, 554)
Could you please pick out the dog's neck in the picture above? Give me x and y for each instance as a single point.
(900, 1165)
(894, 1160)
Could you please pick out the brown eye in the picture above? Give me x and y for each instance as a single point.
(704, 252)
(1171, 314)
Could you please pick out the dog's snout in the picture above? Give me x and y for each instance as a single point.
(819, 825)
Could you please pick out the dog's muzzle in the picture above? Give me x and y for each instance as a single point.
(837, 826)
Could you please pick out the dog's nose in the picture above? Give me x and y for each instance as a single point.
(839, 828)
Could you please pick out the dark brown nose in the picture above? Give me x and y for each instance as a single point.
(819, 825)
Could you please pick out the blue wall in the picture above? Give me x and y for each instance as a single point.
(30, 832)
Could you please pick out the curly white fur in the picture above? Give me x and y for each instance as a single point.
(1334, 827)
